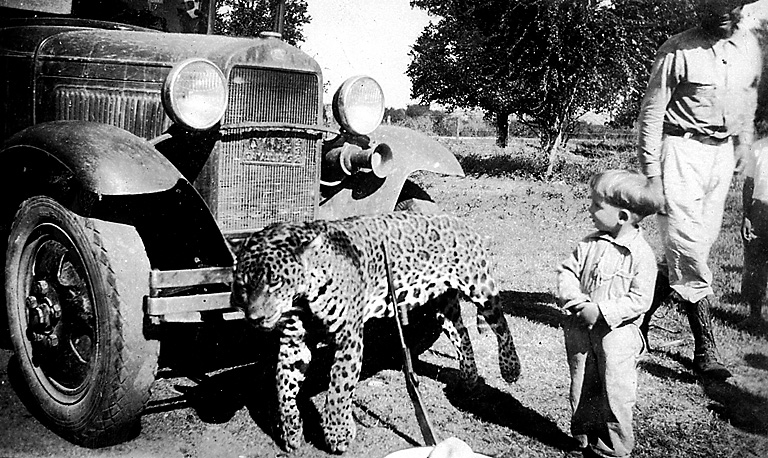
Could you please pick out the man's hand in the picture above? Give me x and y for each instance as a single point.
(747, 234)
(657, 188)
(739, 154)
(587, 313)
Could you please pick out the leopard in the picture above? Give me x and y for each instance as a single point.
(294, 278)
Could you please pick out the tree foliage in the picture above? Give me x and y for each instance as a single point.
(246, 18)
(545, 61)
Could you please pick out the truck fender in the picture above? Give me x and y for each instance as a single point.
(365, 193)
(104, 159)
(413, 151)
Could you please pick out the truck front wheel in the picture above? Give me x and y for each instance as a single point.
(74, 291)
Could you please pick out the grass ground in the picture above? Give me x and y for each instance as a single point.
(532, 225)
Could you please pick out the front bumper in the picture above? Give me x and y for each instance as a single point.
(193, 295)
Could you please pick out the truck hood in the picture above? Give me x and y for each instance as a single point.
(158, 50)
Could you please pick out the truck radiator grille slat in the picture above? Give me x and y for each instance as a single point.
(257, 190)
(268, 95)
(138, 112)
(268, 177)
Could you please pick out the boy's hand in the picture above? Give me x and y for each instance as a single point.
(587, 312)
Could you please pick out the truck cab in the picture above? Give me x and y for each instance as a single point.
(139, 148)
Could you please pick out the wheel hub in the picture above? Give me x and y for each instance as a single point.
(44, 314)
(61, 320)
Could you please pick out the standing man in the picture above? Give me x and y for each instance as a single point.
(695, 123)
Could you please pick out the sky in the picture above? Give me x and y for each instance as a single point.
(370, 37)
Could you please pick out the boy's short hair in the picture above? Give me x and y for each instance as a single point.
(626, 189)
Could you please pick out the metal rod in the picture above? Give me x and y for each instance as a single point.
(279, 17)
(410, 379)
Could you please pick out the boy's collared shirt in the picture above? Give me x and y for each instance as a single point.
(619, 275)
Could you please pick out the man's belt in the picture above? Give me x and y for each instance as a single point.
(697, 136)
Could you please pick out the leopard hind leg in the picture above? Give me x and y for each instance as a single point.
(488, 306)
(454, 329)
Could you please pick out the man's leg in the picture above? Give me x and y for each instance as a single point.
(755, 273)
(753, 280)
(696, 182)
(660, 295)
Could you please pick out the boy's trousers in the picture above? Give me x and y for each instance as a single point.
(603, 366)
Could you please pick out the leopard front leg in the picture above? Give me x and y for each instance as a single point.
(339, 425)
(293, 360)
(453, 326)
(509, 363)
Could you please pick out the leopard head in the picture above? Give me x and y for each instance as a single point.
(268, 277)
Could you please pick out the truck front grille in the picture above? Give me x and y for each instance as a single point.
(139, 112)
(269, 95)
(264, 177)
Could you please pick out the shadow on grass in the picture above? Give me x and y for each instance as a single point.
(251, 384)
(666, 373)
(532, 165)
(757, 360)
(538, 307)
(734, 320)
(522, 166)
(495, 406)
(233, 367)
(740, 408)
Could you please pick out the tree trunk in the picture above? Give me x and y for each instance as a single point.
(554, 152)
(502, 129)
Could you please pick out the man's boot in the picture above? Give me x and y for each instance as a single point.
(705, 352)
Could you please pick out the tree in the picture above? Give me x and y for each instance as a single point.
(545, 61)
(394, 115)
(246, 18)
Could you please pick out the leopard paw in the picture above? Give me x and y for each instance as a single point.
(292, 439)
(339, 437)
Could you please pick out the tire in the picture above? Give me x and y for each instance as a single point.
(86, 366)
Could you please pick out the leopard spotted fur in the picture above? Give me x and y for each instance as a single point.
(333, 271)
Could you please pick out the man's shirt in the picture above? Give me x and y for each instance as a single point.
(618, 275)
(703, 85)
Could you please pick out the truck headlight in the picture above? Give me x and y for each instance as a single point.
(358, 105)
(195, 94)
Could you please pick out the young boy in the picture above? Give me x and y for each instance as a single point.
(754, 229)
(606, 285)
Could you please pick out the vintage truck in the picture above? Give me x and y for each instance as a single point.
(136, 152)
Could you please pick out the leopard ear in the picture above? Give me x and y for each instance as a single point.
(307, 251)
(312, 246)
